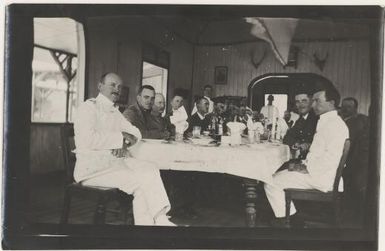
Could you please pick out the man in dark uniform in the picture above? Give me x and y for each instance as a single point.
(300, 136)
(200, 118)
(356, 171)
(160, 123)
(139, 114)
(222, 112)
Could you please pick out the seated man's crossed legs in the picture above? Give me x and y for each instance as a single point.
(142, 179)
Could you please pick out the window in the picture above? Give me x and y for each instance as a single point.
(156, 63)
(155, 76)
(57, 84)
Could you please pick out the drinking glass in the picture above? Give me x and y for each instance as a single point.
(196, 131)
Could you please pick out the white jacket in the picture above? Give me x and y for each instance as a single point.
(326, 150)
(98, 129)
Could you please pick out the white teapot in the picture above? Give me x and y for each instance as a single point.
(235, 129)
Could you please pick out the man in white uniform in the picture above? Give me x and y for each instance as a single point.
(102, 139)
(270, 111)
(319, 168)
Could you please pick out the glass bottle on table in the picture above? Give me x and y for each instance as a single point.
(220, 127)
(250, 131)
(257, 136)
(213, 125)
(301, 152)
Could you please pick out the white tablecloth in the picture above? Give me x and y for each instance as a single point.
(256, 161)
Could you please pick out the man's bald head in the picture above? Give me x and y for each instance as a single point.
(110, 86)
(159, 103)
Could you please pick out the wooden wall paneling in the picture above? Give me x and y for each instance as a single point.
(129, 65)
(355, 90)
(181, 68)
(102, 55)
(45, 148)
(121, 51)
(348, 57)
(347, 67)
(365, 65)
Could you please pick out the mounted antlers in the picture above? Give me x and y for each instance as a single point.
(257, 63)
(320, 63)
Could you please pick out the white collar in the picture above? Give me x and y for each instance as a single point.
(305, 116)
(202, 117)
(350, 117)
(209, 99)
(329, 114)
(180, 110)
(104, 100)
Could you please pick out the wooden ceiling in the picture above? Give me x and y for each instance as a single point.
(222, 31)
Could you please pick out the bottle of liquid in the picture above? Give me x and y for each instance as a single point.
(250, 130)
(213, 125)
(257, 137)
(220, 127)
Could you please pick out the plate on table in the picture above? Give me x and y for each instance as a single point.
(274, 142)
(203, 141)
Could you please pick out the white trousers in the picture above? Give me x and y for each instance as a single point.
(282, 180)
(141, 179)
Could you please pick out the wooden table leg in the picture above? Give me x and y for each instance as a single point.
(251, 200)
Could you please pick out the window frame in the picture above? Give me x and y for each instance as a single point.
(160, 57)
(80, 88)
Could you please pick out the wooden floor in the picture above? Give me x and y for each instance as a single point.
(46, 198)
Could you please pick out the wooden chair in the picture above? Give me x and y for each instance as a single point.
(103, 194)
(315, 195)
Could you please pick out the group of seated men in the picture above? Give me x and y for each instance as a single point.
(103, 136)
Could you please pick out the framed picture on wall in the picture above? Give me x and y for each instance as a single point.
(220, 75)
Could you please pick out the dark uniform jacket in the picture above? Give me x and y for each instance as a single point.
(162, 124)
(302, 131)
(144, 121)
(356, 170)
(195, 120)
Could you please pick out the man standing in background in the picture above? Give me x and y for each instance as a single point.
(269, 111)
(355, 173)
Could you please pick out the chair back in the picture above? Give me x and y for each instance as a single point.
(341, 165)
(68, 144)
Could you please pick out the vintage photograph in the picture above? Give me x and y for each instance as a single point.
(192, 126)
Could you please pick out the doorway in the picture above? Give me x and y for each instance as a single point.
(282, 86)
(156, 76)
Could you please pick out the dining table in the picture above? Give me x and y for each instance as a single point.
(254, 162)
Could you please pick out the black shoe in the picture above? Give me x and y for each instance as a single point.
(183, 213)
(295, 222)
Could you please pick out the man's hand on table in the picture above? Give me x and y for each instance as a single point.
(188, 135)
(120, 153)
(301, 146)
(129, 140)
(167, 135)
(297, 167)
